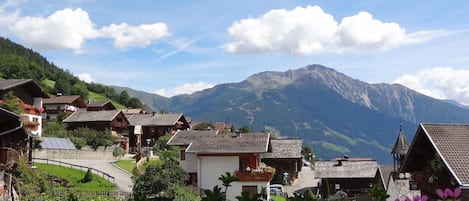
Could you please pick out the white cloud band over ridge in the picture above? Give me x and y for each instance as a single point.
(184, 89)
(440, 82)
(70, 28)
(309, 30)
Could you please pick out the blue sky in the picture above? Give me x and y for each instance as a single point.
(174, 47)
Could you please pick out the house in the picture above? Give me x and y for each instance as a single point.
(114, 120)
(438, 158)
(285, 158)
(133, 111)
(154, 126)
(100, 105)
(354, 176)
(224, 127)
(61, 104)
(31, 96)
(13, 139)
(206, 155)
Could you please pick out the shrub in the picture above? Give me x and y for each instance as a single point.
(88, 177)
(118, 151)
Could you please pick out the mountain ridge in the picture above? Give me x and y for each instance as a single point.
(329, 110)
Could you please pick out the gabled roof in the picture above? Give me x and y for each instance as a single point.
(9, 84)
(451, 142)
(92, 116)
(60, 99)
(285, 148)
(346, 169)
(209, 142)
(154, 120)
(10, 122)
(57, 143)
(132, 111)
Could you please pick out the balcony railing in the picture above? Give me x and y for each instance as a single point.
(8, 158)
(264, 174)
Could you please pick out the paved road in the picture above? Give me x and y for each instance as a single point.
(122, 178)
(305, 179)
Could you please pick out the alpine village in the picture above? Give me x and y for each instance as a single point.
(65, 139)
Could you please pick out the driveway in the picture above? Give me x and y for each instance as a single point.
(121, 178)
(305, 179)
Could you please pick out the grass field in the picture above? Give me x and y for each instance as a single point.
(127, 165)
(75, 176)
(98, 97)
(278, 198)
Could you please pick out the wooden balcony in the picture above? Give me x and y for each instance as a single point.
(8, 158)
(255, 175)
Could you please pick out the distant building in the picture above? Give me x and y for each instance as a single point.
(354, 176)
(154, 126)
(285, 158)
(100, 105)
(55, 105)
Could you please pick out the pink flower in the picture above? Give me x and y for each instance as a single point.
(441, 194)
(417, 198)
(407, 199)
(457, 192)
(397, 199)
(424, 198)
(448, 193)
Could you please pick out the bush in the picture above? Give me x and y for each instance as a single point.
(78, 142)
(88, 177)
(118, 151)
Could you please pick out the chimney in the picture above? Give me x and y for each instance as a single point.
(236, 134)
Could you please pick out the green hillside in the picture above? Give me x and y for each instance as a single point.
(18, 62)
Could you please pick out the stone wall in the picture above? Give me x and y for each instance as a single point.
(100, 153)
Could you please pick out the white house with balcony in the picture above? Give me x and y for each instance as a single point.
(206, 155)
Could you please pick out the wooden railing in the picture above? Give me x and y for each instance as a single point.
(255, 175)
(81, 167)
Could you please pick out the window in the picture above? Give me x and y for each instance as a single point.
(182, 154)
(252, 190)
(119, 119)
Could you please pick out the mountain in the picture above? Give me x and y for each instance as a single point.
(334, 113)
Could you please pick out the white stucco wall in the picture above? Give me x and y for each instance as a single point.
(400, 189)
(209, 168)
(235, 189)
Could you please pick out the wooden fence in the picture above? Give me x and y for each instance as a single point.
(84, 168)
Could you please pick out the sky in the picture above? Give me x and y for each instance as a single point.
(177, 47)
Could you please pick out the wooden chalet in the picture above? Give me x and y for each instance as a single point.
(154, 126)
(100, 105)
(285, 158)
(114, 120)
(353, 176)
(31, 97)
(13, 139)
(61, 104)
(438, 158)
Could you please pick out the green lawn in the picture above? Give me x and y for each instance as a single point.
(75, 176)
(278, 198)
(127, 165)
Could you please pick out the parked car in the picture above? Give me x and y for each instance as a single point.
(277, 189)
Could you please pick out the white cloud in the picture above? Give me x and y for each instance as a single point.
(70, 28)
(310, 30)
(85, 77)
(64, 29)
(440, 82)
(126, 36)
(184, 89)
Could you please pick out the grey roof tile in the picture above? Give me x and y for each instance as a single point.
(348, 169)
(154, 120)
(90, 116)
(211, 142)
(285, 148)
(57, 143)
